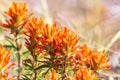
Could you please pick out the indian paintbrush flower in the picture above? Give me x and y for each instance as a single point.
(5, 63)
(17, 17)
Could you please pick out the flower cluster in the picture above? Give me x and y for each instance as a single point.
(85, 74)
(18, 17)
(93, 59)
(62, 46)
(56, 51)
(49, 38)
(32, 30)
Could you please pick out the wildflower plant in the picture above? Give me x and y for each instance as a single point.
(52, 54)
(18, 17)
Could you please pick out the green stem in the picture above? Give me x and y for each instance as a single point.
(34, 63)
(19, 58)
(64, 67)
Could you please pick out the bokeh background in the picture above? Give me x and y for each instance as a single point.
(96, 22)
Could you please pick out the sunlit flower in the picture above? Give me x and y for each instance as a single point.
(4, 76)
(64, 41)
(4, 62)
(70, 39)
(83, 55)
(86, 55)
(85, 74)
(100, 60)
(17, 11)
(96, 60)
(18, 17)
(52, 76)
(41, 35)
(34, 26)
(48, 38)
(4, 57)
(33, 30)
(48, 34)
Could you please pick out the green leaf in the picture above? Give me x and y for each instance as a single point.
(7, 46)
(43, 73)
(42, 66)
(12, 44)
(1, 30)
(25, 52)
(26, 77)
(29, 66)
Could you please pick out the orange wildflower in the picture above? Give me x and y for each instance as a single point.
(100, 60)
(4, 62)
(48, 34)
(17, 11)
(4, 76)
(65, 41)
(33, 30)
(33, 27)
(84, 55)
(54, 75)
(4, 57)
(85, 74)
(18, 16)
(93, 59)
(70, 40)
(48, 38)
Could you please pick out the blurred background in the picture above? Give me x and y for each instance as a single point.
(96, 22)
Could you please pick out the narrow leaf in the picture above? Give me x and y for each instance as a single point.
(42, 66)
